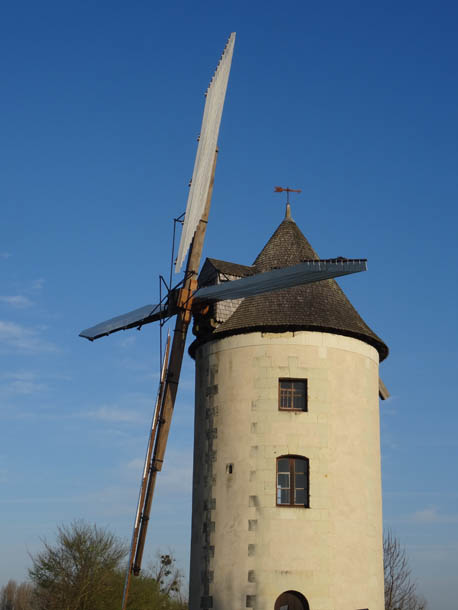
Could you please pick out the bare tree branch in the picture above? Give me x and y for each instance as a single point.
(400, 591)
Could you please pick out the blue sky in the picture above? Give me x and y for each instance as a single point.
(354, 102)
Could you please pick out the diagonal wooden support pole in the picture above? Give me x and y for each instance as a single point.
(170, 387)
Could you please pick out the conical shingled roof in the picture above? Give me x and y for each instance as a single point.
(321, 306)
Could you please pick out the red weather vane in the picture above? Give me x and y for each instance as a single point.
(280, 189)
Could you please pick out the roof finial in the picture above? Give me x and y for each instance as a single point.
(287, 190)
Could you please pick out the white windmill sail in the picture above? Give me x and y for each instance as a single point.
(208, 140)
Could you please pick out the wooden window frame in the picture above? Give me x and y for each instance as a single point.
(293, 380)
(292, 474)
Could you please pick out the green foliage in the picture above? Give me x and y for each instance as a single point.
(75, 573)
(145, 593)
(83, 570)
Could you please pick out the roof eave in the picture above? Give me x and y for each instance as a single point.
(379, 345)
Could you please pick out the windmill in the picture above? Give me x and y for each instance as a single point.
(187, 298)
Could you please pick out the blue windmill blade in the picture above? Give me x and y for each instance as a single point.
(131, 319)
(287, 277)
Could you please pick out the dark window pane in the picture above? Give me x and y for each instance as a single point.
(283, 480)
(300, 465)
(299, 496)
(284, 496)
(283, 465)
(284, 401)
(299, 403)
(299, 482)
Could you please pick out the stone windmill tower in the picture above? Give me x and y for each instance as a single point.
(287, 506)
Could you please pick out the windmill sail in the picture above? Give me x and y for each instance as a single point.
(169, 387)
(208, 140)
(303, 273)
(131, 319)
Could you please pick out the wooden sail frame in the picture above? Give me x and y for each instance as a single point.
(208, 141)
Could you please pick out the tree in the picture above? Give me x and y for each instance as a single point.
(167, 575)
(76, 572)
(400, 591)
(83, 570)
(16, 597)
(147, 593)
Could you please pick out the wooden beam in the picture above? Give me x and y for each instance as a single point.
(174, 369)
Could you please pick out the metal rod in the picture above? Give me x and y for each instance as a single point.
(160, 331)
(173, 250)
(175, 220)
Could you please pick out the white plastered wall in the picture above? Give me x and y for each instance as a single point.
(245, 550)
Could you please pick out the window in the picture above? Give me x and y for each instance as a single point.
(292, 394)
(292, 481)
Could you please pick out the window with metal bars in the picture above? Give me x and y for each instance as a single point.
(292, 394)
(293, 481)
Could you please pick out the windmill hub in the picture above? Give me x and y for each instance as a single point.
(185, 298)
